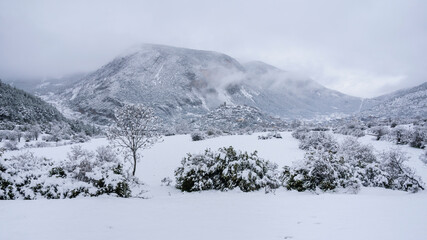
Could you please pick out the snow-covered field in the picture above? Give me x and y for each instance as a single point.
(169, 214)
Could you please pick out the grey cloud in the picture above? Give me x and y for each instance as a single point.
(363, 48)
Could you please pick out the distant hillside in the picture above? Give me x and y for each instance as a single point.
(237, 118)
(405, 103)
(20, 107)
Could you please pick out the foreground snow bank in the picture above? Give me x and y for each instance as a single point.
(372, 214)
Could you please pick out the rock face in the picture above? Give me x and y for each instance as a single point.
(407, 103)
(184, 83)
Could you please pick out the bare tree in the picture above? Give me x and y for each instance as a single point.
(135, 129)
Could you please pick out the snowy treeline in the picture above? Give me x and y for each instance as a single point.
(24, 117)
(20, 107)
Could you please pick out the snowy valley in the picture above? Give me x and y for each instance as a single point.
(173, 143)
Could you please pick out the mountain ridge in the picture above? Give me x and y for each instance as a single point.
(181, 83)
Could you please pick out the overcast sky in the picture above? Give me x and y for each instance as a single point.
(362, 48)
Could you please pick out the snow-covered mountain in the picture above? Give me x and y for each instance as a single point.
(182, 83)
(405, 103)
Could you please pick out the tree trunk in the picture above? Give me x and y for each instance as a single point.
(134, 163)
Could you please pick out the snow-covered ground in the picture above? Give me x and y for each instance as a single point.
(169, 214)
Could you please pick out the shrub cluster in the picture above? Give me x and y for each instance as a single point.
(416, 136)
(329, 166)
(83, 173)
(352, 129)
(224, 170)
(319, 170)
(211, 133)
(300, 132)
(322, 141)
(270, 135)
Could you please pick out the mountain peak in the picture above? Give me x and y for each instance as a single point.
(181, 83)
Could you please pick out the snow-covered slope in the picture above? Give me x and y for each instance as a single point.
(406, 103)
(181, 83)
(237, 118)
(19, 107)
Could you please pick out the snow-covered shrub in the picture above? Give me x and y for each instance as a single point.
(379, 132)
(352, 165)
(399, 176)
(225, 169)
(41, 144)
(198, 172)
(320, 170)
(319, 141)
(82, 174)
(418, 138)
(270, 135)
(423, 157)
(10, 145)
(400, 135)
(80, 163)
(363, 162)
(351, 129)
(106, 154)
(166, 181)
(300, 132)
(28, 136)
(198, 136)
(213, 132)
(3, 135)
(52, 138)
(12, 136)
(80, 138)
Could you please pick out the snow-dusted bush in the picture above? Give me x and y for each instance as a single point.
(198, 136)
(300, 132)
(270, 135)
(399, 176)
(418, 137)
(166, 181)
(379, 132)
(52, 138)
(399, 135)
(352, 130)
(423, 157)
(3, 135)
(106, 154)
(80, 138)
(82, 174)
(211, 133)
(225, 169)
(363, 162)
(320, 170)
(319, 141)
(10, 145)
(352, 165)
(12, 136)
